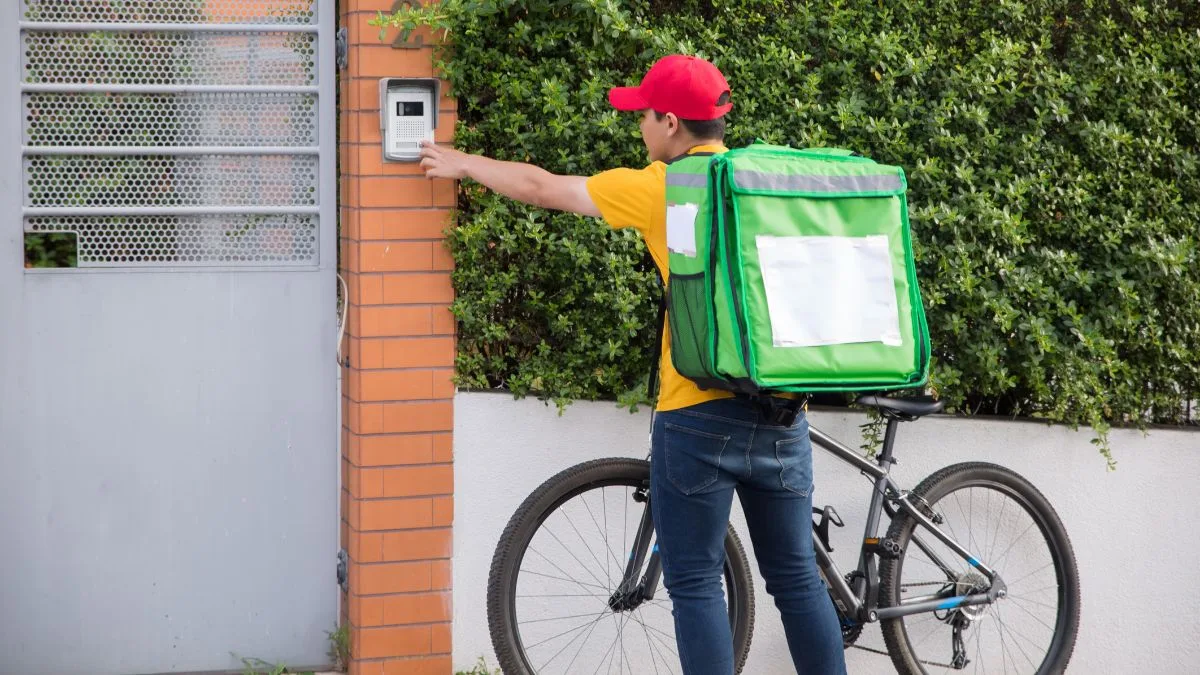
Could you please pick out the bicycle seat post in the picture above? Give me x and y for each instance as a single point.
(885, 458)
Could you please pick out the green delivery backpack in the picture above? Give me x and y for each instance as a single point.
(792, 271)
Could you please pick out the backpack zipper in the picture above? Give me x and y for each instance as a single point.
(739, 318)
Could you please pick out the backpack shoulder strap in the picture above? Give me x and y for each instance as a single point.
(656, 359)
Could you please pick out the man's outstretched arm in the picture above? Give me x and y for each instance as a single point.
(522, 182)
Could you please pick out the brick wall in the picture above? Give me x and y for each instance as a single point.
(397, 463)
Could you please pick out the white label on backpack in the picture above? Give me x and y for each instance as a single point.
(681, 228)
(829, 290)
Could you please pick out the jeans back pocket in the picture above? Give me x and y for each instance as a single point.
(693, 457)
(795, 464)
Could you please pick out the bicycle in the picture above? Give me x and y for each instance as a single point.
(919, 579)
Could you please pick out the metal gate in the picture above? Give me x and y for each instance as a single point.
(168, 460)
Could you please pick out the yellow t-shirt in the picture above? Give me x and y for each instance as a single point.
(638, 198)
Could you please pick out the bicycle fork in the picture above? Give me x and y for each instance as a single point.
(633, 591)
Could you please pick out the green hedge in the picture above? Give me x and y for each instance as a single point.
(1051, 148)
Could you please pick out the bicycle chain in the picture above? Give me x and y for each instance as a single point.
(884, 653)
(929, 513)
(871, 649)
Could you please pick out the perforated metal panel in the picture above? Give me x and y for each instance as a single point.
(170, 11)
(160, 57)
(157, 180)
(144, 116)
(196, 119)
(188, 240)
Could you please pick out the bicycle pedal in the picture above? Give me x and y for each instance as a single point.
(883, 547)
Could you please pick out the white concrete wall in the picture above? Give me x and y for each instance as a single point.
(1138, 552)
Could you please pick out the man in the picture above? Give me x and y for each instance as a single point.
(705, 443)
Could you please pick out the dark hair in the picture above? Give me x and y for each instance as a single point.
(701, 129)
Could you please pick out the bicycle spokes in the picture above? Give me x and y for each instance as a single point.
(573, 611)
(1013, 633)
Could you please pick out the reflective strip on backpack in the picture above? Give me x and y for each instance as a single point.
(757, 180)
(691, 180)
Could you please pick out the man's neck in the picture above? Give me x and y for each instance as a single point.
(685, 145)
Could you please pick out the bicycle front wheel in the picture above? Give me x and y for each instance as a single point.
(1010, 527)
(558, 563)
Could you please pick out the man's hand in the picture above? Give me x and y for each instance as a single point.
(439, 162)
(515, 180)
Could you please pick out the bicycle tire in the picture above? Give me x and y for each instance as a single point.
(944, 483)
(538, 506)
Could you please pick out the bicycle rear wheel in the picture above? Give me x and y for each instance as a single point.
(1002, 519)
(560, 559)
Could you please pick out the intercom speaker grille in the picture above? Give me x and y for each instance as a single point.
(170, 180)
(226, 240)
(169, 58)
(408, 128)
(197, 119)
(171, 11)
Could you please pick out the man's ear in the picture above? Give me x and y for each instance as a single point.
(673, 124)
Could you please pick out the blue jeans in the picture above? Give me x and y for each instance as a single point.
(700, 455)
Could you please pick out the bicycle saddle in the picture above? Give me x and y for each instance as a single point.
(903, 408)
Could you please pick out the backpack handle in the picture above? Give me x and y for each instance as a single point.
(818, 152)
(831, 152)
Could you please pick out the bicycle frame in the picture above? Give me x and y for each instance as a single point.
(861, 599)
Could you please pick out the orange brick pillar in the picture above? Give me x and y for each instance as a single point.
(397, 470)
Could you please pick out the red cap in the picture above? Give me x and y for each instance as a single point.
(688, 86)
